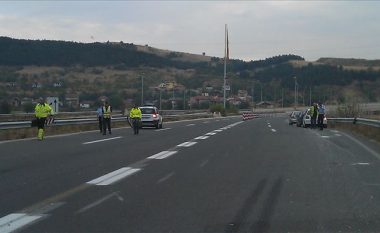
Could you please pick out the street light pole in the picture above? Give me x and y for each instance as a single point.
(160, 97)
(295, 92)
(142, 90)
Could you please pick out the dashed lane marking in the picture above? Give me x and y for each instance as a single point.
(102, 140)
(114, 176)
(201, 137)
(163, 154)
(187, 144)
(273, 130)
(15, 221)
(190, 125)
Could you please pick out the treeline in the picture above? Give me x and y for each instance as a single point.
(15, 52)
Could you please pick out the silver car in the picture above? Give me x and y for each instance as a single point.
(151, 117)
(293, 117)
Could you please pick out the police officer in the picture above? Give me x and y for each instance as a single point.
(321, 115)
(42, 111)
(99, 114)
(313, 115)
(106, 111)
(135, 115)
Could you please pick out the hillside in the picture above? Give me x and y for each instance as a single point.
(33, 68)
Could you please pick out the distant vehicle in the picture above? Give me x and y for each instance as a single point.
(293, 117)
(300, 118)
(306, 120)
(151, 117)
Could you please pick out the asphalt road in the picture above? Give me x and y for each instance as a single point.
(211, 175)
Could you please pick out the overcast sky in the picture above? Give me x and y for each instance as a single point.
(257, 29)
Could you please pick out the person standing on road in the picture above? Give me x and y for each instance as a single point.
(106, 111)
(313, 115)
(42, 111)
(99, 114)
(321, 115)
(135, 115)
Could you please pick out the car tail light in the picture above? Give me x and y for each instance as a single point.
(154, 115)
(325, 119)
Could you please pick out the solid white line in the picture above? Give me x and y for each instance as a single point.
(15, 221)
(95, 203)
(162, 154)
(187, 144)
(201, 137)
(218, 130)
(114, 176)
(273, 130)
(165, 177)
(163, 129)
(360, 164)
(374, 153)
(102, 140)
(190, 125)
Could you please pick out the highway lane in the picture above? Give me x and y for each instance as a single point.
(256, 176)
(61, 163)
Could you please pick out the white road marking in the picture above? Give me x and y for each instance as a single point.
(374, 153)
(190, 125)
(269, 126)
(335, 131)
(201, 137)
(114, 176)
(273, 130)
(163, 129)
(102, 140)
(187, 144)
(163, 154)
(224, 128)
(218, 130)
(165, 177)
(205, 122)
(338, 135)
(96, 203)
(360, 164)
(325, 136)
(203, 163)
(12, 222)
(210, 134)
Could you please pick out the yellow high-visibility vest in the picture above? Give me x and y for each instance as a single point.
(107, 112)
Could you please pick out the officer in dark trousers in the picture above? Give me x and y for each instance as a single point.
(106, 110)
(135, 115)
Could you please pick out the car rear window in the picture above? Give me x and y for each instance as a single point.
(147, 110)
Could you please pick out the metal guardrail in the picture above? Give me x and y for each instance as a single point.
(357, 120)
(87, 120)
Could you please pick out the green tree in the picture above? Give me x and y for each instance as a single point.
(5, 107)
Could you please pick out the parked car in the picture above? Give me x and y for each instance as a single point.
(300, 118)
(151, 117)
(293, 117)
(306, 120)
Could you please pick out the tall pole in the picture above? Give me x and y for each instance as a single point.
(184, 99)
(295, 92)
(225, 66)
(160, 97)
(142, 90)
(261, 89)
(309, 96)
(282, 97)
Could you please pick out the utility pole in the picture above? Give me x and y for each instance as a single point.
(160, 97)
(295, 92)
(282, 97)
(261, 88)
(142, 89)
(184, 99)
(309, 96)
